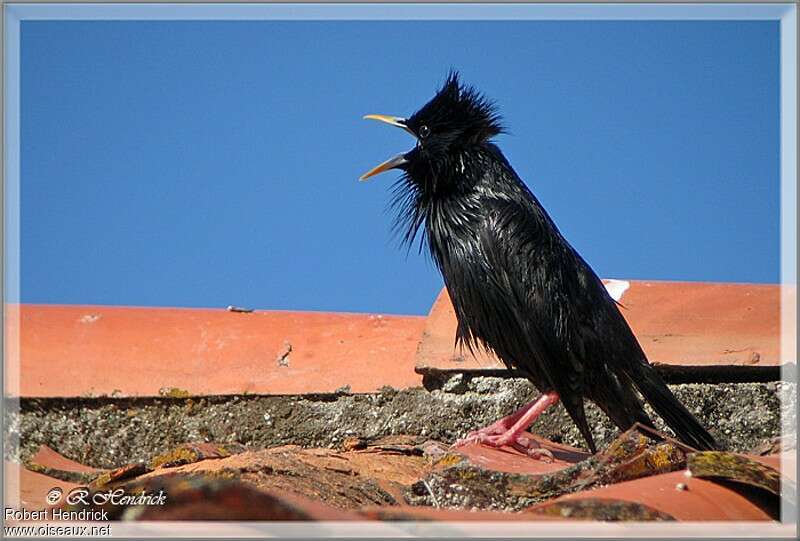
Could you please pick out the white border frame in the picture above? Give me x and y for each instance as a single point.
(786, 13)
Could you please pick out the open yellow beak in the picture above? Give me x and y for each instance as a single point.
(398, 121)
(398, 160)
(391, 163)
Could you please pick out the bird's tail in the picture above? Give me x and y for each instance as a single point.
(680, 420)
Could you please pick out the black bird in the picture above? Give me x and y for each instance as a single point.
(518, 288)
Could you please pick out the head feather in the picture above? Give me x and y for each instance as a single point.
(460, 109)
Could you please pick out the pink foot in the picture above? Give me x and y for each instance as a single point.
(482, 434)
(508, 431)
(521, 443)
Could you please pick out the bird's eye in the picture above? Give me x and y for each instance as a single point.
(424, 131)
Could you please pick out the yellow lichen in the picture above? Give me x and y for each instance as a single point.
(174, 392)
(450, 459)
(178, 456)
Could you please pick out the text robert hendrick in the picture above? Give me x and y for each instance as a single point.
(97, 515)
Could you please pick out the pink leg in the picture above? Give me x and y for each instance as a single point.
(508, 430)
(501, 425)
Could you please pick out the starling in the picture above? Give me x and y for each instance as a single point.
(519, 289)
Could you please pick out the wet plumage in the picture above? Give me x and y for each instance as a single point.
(518, 287)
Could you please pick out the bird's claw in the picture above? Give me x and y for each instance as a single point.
(533, 449)
(523, 444)
(470, 438)
(477, 436)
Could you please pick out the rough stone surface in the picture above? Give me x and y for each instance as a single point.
(458, 482)
(106, 431)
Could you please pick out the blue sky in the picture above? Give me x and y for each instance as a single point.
(213, 163)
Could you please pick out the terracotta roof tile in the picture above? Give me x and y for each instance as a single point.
(677, 323)
(71, 351)
(700, 500)
(105, 350)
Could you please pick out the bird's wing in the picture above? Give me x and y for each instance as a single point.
(553, 296)
(575, 334)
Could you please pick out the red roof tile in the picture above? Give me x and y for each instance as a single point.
(96, 350)
(507, 459)
(677, 323)
(669, 496)
(701, 500)
(48, 458)
(78, 350)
